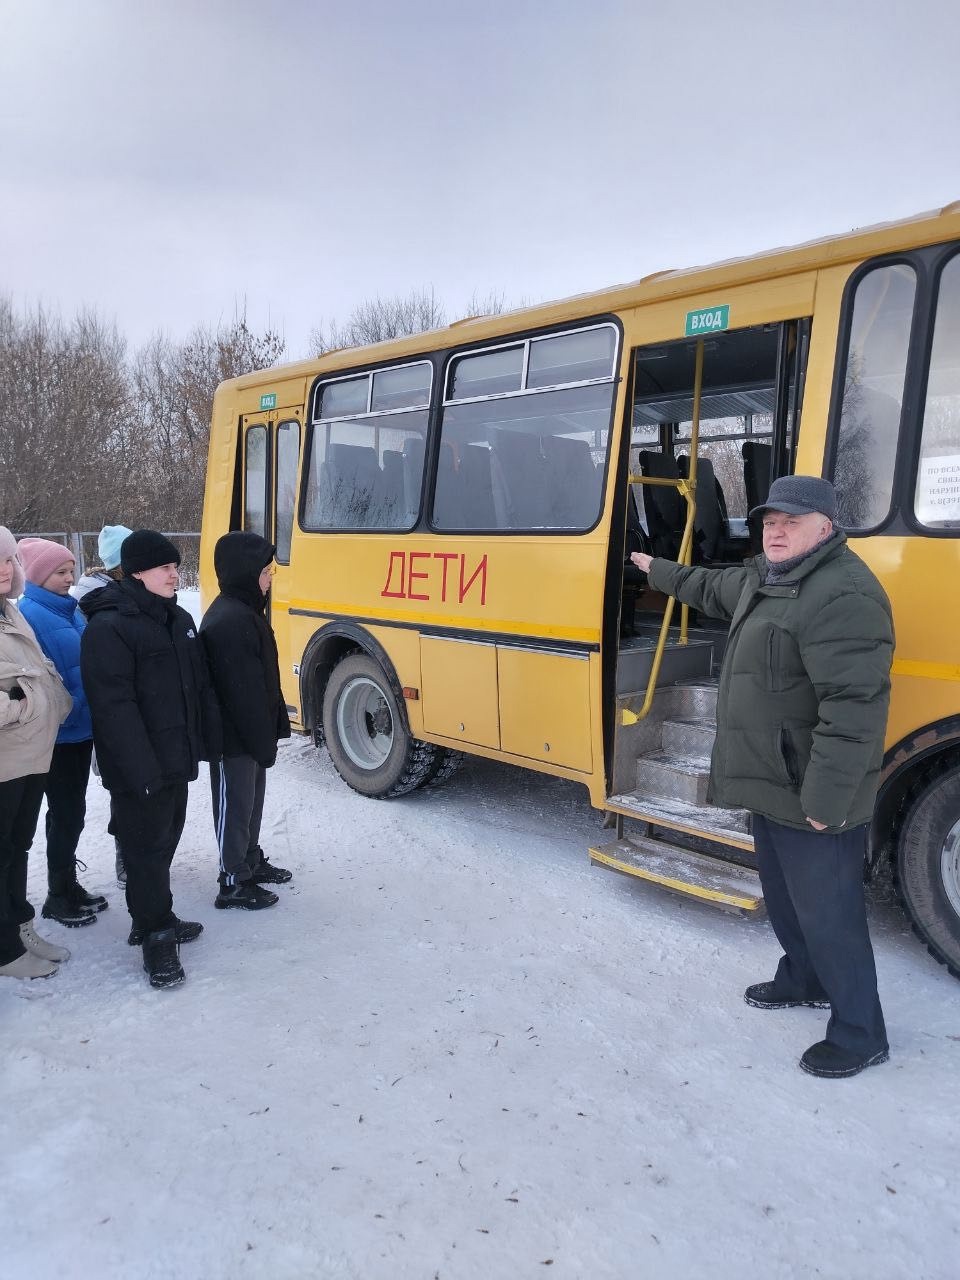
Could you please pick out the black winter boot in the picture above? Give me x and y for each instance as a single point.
(831, 1062)
(186, 931)
(92, 901)
(265, 872)
(161, 958)
(62, 908)
(764, 995)
(247, 895)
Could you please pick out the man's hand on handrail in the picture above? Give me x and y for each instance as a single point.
(641, 560)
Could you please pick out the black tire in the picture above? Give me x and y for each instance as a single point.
(445, 765)
(928, 864)
(366, 732)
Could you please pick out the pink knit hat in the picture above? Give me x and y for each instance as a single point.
(8, 547)
(40, 558)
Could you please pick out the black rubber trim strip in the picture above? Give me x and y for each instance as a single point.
(461, 633)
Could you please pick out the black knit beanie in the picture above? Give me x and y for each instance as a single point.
(146, 549)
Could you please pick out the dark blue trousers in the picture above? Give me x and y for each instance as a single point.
(813, 888)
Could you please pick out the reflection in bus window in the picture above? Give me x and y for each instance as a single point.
(288, 454)
(873, 396)
(366, 473)
(937, 497)
(365, 468)
(255, 481)
(513, 456)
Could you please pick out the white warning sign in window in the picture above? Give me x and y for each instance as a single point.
(938, 490)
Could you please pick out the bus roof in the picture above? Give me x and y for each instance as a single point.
(864, 242)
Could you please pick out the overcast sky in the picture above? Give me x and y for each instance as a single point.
(164, 161)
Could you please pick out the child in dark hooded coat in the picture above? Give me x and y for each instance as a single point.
(242, 655)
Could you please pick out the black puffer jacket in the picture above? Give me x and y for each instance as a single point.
(242, 651)
(145, 675)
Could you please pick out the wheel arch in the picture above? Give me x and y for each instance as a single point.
(906, 763)
(323, 651)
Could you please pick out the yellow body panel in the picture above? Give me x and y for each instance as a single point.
(459, 691)
(545, 706)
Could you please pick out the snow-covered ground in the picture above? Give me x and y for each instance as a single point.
(457, 1050)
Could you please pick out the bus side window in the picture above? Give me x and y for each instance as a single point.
(869, 428)
(937, 497)
(288, 456)
(255, 481)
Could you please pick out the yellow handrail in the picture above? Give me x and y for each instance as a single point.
(686, 487)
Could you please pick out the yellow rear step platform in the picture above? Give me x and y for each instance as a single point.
(722, 884)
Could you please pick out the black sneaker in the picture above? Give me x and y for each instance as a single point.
(92, 901)
(247, 895)
(764, 995)
(833, 1063)
(62, 908)
(161, 958)
(186, 931)
(266, 873)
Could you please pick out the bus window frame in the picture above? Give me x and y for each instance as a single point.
(525, 337)
(927, 262)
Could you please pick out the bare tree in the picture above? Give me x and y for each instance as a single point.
(74, 426)
(379, 319)
(174, 384)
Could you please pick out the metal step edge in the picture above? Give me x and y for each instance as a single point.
(708, 724)
(695, 875)
(678, 816)
(690, 766)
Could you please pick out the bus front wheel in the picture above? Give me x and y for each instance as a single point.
(928, 865)
(366, 734)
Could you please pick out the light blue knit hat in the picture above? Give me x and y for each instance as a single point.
(109, 543)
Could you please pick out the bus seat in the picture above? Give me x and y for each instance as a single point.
(757, 467)
(662, 504)
(574, 483)
(710, 520)
(354, 484)
(447, 503)
(414, 453)
(519, 479)
(477, 488)
(393, 501)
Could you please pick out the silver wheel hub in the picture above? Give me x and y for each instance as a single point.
(950, 866)
(364, 723)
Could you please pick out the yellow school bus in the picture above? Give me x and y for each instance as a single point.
(454, 512)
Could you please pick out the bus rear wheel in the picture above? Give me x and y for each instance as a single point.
(366, 733)
(928, 865)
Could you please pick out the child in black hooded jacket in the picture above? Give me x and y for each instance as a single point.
(242, 655)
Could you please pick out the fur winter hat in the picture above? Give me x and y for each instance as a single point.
(8, 547)
(109, 543)
(146, 549)
(40, 557)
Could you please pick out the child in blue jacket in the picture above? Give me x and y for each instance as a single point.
(52, 613)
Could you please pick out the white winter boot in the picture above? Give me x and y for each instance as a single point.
(41, 946)
(28, 966)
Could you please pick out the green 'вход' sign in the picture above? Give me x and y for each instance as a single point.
(707, 320)
(269, 401)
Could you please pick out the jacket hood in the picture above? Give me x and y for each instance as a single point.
(8, 547)
(239, 559)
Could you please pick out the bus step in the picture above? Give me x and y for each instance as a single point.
(721, 884)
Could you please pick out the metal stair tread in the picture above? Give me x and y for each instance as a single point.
(684, 871)
(730, 826)
(698, 766)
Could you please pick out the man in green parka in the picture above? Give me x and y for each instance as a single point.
(801, 715)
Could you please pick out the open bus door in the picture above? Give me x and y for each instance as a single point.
(712, 423)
